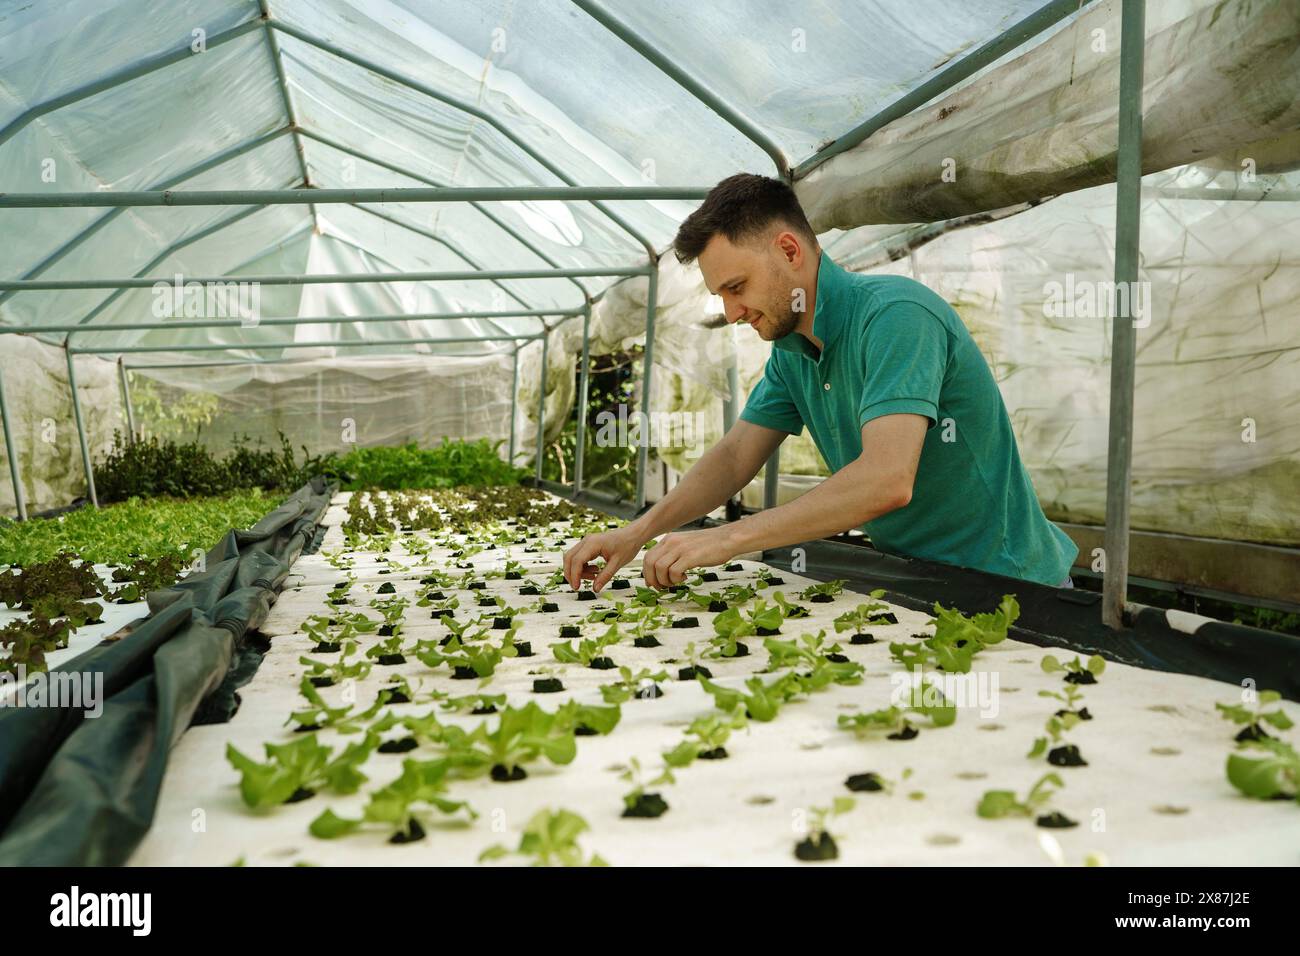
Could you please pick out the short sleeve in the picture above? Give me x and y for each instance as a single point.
(906, 356)
(770, 403)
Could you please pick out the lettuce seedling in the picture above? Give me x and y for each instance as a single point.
(824, 592)
(694, 668)
(762, 702)
(475, 703)
(393, 610)
(521, 734)
(996, 804)
(738, 594)
(710, 734)
(826, 664)
(873, 782)
(387, 651)
(1274, 776)
(731, 625)
(551, 839)
(1251, 718)
(788, 611)
(1063, 754)
(640, 685)
(1070, 698)
(957, 638)
(819, 844)
(481, 658)
(648, 597)
(928, 700)
(323, 675)
(1076, 672)
(339, 593)
(638, 803)
(862, 616)
(808, 650)
(397, 806)
(590, 651)
(320, 714)
(588, 719)
(297, 770)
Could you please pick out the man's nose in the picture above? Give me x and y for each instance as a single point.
(734, 312)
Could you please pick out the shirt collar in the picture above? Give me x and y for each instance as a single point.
(826, 313)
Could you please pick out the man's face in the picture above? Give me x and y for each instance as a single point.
(756, 281)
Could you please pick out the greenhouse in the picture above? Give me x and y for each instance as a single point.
(582, 432)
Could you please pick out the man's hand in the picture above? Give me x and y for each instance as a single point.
(668, 561)
(617, 547)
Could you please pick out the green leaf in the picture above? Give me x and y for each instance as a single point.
(1276, 773)
(328, 826)
(996, 804)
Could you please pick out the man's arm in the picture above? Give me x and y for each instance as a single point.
(723, 470)
(720, 473)
(878, 482)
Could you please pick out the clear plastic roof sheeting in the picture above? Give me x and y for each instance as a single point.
(419, 93)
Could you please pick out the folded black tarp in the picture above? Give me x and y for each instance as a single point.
(81, 791)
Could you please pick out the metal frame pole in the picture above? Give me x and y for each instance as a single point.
(126, 398)
(81, 430)
(514, 404)
(541, 406)
(772, 479)
(643, 446)
(329, 344)
(338, 278)
(313, 196)
(1123, 350)
(169, 324)
(584, 381)
(20, 500)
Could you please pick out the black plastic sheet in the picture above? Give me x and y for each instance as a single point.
(81, 791)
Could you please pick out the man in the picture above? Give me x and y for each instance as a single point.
(897, 397)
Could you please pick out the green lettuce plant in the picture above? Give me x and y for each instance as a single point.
(550, 838)
(295, 771)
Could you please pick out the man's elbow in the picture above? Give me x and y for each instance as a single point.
(898, 494)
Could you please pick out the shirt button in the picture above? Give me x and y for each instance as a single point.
(827, 386)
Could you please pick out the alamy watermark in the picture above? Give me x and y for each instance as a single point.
(208, 300)
(77, 690)
(1090, 299)
(914, 688)
(657, 430)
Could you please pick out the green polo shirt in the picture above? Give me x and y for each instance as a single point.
(893, 346)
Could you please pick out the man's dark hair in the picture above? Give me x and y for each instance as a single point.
(741, 207)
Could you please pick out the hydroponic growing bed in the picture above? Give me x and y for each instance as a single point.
(439, 696)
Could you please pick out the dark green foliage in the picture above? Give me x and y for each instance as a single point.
(449, 465)
(149, 468)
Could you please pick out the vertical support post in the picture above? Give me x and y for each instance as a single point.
(126, 399)
(1123, 350)
(643, 447)
(514, 403)
(584, 381)
(731, 412)
(771, 479)
(731, 404)
(541, 403)
(81, 429)
(20, 501)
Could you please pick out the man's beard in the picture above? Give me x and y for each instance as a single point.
(778, 325)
